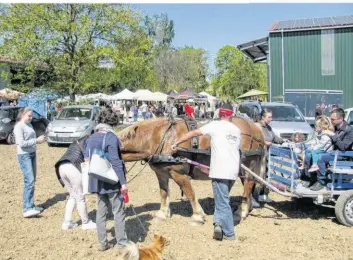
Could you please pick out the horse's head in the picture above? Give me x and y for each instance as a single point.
(140, 139)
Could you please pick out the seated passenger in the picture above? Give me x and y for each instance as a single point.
(297, 142)
(324, 144)
(342, 140)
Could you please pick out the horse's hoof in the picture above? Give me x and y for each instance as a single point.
(197, 220)
(162, 215)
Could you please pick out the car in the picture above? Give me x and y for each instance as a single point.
(72, 123)
(349, 115)
(287, 118)
(8, 115)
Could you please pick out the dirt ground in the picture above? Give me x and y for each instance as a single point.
(281, 230)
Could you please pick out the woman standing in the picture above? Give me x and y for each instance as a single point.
(108, 194)
(26, 142)
(68, 170)
(270, 136)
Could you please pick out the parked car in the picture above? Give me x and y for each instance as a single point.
(349, 115)
(8, 117)
(287, 118)
(72, 123)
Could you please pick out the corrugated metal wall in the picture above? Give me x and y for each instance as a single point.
(302, 62)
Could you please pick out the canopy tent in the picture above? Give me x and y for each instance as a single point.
(92, 96)
(209, 97)
(141, 93)
(123, 95)
(157, 96)
(9, 93)
(172, 93)
(187, 93)
(253, 93)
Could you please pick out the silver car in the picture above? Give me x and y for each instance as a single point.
(72, 123)
(287, 118)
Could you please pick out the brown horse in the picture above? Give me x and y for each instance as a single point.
(144, 139)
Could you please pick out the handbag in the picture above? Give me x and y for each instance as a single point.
(100, 167)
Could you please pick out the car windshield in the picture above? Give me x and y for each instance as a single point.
(285, 113)
(75, 113)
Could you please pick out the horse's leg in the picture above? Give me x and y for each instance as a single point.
(184, 183)
(246, 204)
(163, 180)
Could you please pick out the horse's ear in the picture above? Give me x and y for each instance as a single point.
(132, 132)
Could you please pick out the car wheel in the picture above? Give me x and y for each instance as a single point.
(11, 138)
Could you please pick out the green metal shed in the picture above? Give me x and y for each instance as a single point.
(310, 62)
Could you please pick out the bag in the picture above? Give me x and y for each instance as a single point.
(85, 177)
(100, 167)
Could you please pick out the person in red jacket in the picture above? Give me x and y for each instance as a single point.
(188, 109)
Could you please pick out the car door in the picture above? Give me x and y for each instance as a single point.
(39, 123)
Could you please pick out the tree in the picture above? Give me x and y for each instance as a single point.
(84, 46)
(160, 29)
(180, 68)
(236, 74)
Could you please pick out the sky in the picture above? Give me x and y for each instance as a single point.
(211, 26)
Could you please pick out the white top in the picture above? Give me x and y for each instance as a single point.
(225, 145)
(25, 138)
(144, 107)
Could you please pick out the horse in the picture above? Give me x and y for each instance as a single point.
(155, 136)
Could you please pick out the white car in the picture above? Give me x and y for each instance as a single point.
(349, 115)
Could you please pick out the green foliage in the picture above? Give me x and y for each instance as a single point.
(82, 47)
(236, 74)
(160, 29)
(180, 68)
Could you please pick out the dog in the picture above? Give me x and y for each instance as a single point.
(151, 252)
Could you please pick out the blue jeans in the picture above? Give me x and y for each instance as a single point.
(28, 167)
(315, 155)
(323, 160)
(135, 117)
(223, 214)
(144, 115)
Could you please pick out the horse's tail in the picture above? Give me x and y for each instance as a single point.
(130, 252)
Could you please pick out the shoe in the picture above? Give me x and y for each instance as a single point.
(265, 199)
(313, 169)
(255, 204)
(305, 184)
(317, 187)
(31, 213)
(39, 209)
(89, 225)
(217, 233)
(105, 247)
(228, 237)
(70, 225)
(301, 167)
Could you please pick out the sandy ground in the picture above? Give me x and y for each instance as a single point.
(281, 230)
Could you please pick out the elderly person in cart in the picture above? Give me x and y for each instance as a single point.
(342, 140)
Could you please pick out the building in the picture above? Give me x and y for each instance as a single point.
(310, 62)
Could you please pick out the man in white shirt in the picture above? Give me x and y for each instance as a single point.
(224, 167)
(144, 109)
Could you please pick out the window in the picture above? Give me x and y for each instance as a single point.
(285, 113)
(327, 52)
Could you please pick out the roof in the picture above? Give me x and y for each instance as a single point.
(252, 93)
(256, 50)
(313, 23)
(277, 104)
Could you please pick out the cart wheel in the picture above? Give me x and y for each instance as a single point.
(344, 208)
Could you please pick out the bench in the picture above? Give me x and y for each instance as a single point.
(340, 171)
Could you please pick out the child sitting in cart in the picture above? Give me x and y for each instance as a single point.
(323, 142)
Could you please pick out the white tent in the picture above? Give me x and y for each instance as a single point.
(123, 95)
(209, 97)
(157, 96)
(141, 93)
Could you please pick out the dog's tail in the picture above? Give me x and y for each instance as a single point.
(130, 252)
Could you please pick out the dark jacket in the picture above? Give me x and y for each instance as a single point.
(270, 136)
(343, 137)
(95, 141)
(73, 155)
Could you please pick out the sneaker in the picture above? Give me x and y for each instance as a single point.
(228, 237)
(70, 225)
(313, 168)
(301, 167)
(105, 247)
(39, 208)
(89, 225)
(255, 204)
(31, 213)
(217, 233)
(317, 187)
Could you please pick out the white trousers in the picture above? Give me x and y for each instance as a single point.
(72, 179)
